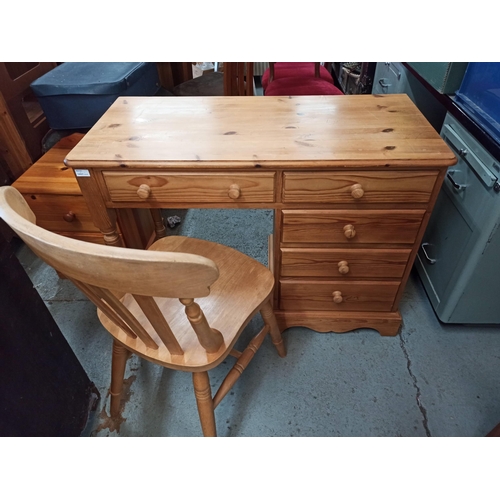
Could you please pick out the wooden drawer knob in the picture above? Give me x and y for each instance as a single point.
(69, 217)
(349, 231)
(337, 297)
(144, 191)
(234, 191)
(357, 191)
(343, 267)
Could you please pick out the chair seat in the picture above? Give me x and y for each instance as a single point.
(301, 86)
(294, 69)
(225, 309)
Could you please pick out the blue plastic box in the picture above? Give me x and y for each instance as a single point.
(76, 95)
(479, 96)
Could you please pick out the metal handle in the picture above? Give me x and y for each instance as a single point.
(476, 164)
(397, 73)
(455, 184)
(383, 84)
(429, 260)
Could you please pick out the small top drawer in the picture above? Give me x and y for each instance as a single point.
(359, 186)
(187, 187)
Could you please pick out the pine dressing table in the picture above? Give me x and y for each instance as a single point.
(352, 181)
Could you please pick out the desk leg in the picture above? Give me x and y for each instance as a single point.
(103, 218)
(160, 229)
(140, 227)
(112, 237)
(109, 230)
(137, 227)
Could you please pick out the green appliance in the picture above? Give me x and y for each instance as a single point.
(458, 258)
(445, 77)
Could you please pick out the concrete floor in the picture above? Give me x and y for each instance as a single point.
(431, 380)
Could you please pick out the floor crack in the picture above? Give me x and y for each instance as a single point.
(421, 407)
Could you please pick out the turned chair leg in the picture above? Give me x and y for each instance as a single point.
(203, 394)
(118, 364)
(270, 320)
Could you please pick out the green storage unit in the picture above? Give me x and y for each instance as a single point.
(458, 258)
(445, 77)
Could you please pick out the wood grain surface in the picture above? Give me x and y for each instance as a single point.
(329, 130)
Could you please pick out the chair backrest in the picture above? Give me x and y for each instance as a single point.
(106, 273)
(22, 127)
(238, 79)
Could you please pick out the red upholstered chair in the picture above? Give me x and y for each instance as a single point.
(298, 79)
(298, 69)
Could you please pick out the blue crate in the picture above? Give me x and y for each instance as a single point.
(76, 95)
(479, 96)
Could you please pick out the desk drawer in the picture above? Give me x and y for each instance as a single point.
(351, 226)
(358, 187)
(191, 187)
(351, 295)
(61, 213)
(344, 263)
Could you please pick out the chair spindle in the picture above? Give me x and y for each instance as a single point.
(209, 338)
(104, 307)
(240, 365)
(156, 318)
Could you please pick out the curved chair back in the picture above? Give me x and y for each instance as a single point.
(105, 274)
(159, 274)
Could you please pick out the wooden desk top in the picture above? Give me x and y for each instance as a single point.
(235, 132)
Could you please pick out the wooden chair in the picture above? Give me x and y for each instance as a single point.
(238, 79)
(145, 299)
(22, 122)
(298, 79)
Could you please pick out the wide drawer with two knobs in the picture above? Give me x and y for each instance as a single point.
(191, 187)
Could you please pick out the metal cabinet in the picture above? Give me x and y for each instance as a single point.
(390, 78)
(458, 257)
